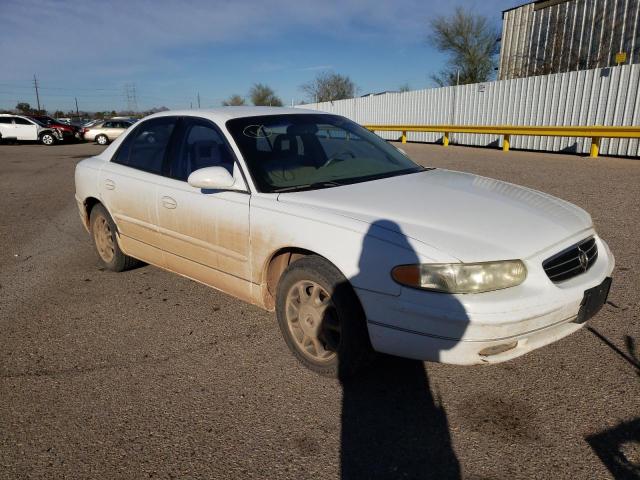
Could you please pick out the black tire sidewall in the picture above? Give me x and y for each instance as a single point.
(354, 351)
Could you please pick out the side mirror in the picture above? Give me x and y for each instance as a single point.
(211, 178)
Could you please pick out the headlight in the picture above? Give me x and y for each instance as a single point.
(461, 277)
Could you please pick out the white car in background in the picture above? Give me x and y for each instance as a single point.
(357, 248)
(24, 129)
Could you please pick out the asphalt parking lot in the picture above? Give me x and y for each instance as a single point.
(145, 374)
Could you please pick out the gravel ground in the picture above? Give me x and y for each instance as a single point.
(146, 374)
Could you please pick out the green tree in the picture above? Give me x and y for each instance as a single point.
(261, 94)
(234, 100)
(58, 113)
(329, 86)
(23, 107)
(470, 42)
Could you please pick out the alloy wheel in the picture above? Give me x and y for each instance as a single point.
(312, 321)
(104, 239)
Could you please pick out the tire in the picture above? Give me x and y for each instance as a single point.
(102, 140)
(48, 138)
(332, 313)
(103, 232)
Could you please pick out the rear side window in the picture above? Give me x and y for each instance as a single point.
(7, 120)
(22, 121)
(146, 146)
(200, 145)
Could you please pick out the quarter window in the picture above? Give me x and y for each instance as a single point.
(146, 146)
(201, 145)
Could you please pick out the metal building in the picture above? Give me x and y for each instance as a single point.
(554, 36)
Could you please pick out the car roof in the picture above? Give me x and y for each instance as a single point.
(222, 114)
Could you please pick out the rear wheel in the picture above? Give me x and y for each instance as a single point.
(102, 140)
(321, 318)
(103, 231)
(47, 138)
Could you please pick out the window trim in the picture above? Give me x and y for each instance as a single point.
(204, 122)
(166, 151)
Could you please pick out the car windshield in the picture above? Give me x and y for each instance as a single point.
(39, 121)
(44, 120)
(309, 151)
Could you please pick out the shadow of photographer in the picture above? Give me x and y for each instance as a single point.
(392, 427)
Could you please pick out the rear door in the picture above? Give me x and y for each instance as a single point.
(111, 130)
(128, 185)
(7, 129)
(25, 129)
(207, 228)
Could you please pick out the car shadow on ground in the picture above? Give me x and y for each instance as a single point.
(619, 449)
(392, 426)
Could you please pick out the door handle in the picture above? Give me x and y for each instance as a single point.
(168, 202)
(109, 184)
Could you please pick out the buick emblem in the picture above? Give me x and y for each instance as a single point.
(583, 259)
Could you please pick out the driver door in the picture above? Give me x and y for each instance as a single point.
(205, 234)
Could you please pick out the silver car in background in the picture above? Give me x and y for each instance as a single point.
(106, 131)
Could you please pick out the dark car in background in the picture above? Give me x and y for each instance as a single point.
(68, 132)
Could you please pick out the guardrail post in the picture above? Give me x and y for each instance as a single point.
(506, 142)
(445, 139)
(595, 147)
(404, 136)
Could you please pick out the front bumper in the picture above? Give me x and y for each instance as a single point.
(456, 328)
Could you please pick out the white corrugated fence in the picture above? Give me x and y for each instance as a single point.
(603, 96)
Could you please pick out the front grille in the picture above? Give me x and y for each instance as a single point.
(572, 261)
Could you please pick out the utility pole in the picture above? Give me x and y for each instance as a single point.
(198, 100)
(77, 111)
(35, 84)
(190, 105)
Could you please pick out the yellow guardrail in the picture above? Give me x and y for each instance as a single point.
(595, 133)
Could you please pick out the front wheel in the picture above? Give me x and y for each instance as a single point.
(321, 319)
(47, 139)
(102, 140)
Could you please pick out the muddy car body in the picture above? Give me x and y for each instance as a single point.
(357, 248)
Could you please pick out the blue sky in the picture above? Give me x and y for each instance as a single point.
(171, 51)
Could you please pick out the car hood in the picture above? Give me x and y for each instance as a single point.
(470, 217)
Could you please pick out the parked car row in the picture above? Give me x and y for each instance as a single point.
(48, 131)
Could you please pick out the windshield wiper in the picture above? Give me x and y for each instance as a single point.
(308, 186)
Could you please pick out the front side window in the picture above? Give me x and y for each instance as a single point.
(22, 121)
(201, 145)
(146, 146)
(309, 151)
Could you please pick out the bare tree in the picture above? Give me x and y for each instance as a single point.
(329, 86)
(405, 87)
(234, 100)
(264, 95)
(470, 42)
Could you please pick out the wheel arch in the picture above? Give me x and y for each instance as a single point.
(275, 265)
(88, 204)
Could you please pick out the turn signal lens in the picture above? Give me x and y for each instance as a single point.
(461, 277)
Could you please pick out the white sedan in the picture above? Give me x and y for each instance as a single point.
(356, 248)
